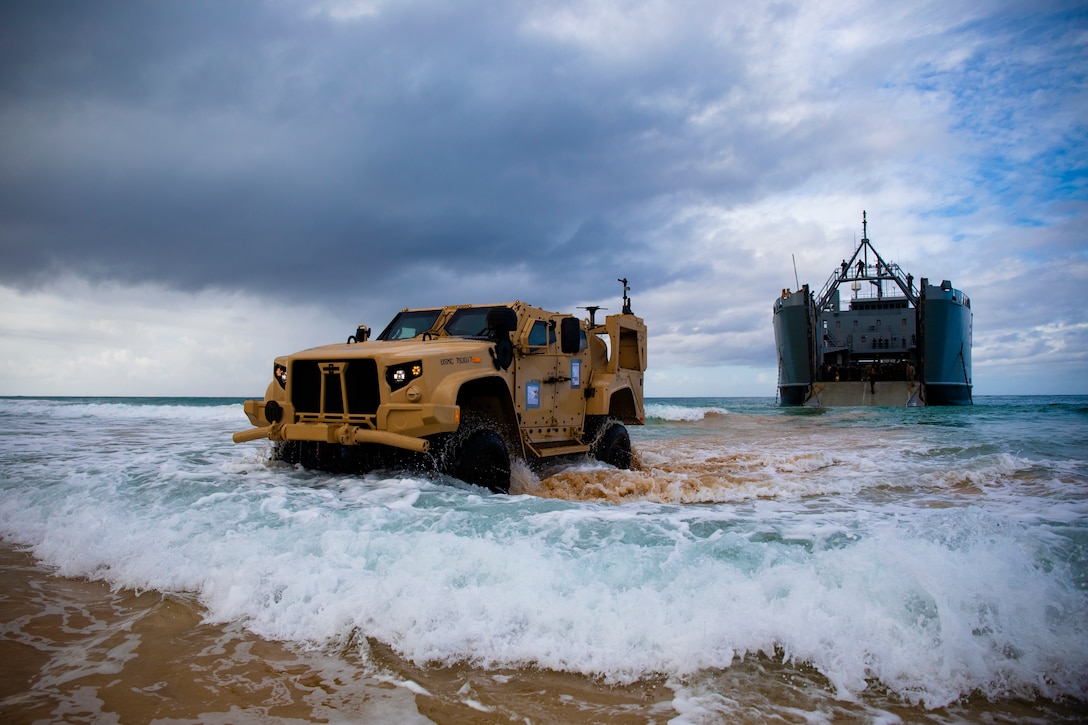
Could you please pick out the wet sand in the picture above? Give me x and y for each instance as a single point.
(74, 651)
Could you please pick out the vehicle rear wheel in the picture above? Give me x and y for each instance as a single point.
(613, 446)
(482, 459)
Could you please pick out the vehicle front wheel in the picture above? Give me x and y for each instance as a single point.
(482, 459)
(287, 451)
(613, 446)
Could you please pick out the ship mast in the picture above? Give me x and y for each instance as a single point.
(858, 270)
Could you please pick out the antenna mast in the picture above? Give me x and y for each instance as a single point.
(626, 299)
(592, 310)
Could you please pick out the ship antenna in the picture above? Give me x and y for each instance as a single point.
(864, 227)
(796, 281)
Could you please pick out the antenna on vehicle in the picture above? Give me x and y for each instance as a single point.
(626, 299)
(795, 279)
(592, 310)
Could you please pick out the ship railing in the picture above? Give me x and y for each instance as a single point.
(879, 273)
(858, 269)
(830, 341)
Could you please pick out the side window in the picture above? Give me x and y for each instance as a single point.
(468, 322)
(540, 336)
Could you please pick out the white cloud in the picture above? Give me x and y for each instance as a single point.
(373, 155)
(347, 10)
(77, 338)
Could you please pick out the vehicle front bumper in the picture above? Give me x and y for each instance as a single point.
(399, 426)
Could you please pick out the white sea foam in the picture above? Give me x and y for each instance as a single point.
(135, 409)
(665, 411)
(934, 588)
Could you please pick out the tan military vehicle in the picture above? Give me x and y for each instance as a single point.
(460, 389)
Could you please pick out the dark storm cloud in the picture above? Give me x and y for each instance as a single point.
(262, 146)
(348, 157)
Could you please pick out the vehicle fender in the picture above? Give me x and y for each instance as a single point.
(607, 388)
(491, 396)
(449, 389)
(254, 409)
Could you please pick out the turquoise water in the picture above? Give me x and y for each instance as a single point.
(935, 553)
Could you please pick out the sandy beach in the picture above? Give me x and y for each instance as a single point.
(74, 651)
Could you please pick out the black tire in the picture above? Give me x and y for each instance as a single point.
(318, 456)
(482, 459)
(613, 446)
(312, 456)
(287, 451)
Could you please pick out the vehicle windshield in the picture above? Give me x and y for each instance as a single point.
(408, 324)
(469, 322)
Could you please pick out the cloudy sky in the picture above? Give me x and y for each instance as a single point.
(188, 189)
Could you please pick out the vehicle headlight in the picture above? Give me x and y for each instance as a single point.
(400, 375)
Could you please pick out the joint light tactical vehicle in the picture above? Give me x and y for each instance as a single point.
(460, 389)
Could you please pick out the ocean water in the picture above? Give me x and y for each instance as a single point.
(880, 565)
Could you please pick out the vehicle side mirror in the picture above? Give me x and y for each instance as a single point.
(362, 334)
(570, 335)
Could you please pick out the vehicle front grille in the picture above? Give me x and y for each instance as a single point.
(359, 378)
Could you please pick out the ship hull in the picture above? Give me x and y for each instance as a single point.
(948, 394)
(793, 334)
(946, 341)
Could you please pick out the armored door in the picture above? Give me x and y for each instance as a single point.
(549, 381)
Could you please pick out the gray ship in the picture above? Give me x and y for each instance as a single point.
(895, 344)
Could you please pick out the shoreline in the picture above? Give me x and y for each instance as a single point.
(75, 650)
